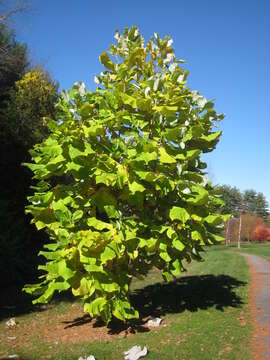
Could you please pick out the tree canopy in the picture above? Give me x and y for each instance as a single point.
(248, 201)
(13, 62)
(232, 198)
(32, 98)
(134, 194)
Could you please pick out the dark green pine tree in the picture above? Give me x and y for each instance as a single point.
(13, 62)
(250, 200)
(232, 198)
(20, 115)
(262, 209)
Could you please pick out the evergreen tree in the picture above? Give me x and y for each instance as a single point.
(232, 198)
(250, 199)
(25, 97)
(13, 63)
(261, 206)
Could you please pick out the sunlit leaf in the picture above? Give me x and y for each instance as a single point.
(178, 213)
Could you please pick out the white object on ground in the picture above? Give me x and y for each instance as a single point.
(11, 322)
(154, 321)
(135, 353)
(11, 337)
(90, 357)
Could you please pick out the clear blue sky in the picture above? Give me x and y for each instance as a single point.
(226, 45)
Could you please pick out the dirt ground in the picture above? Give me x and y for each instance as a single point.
(71, 325)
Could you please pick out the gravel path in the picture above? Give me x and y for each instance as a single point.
(260, 305)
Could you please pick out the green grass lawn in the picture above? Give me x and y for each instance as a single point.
(205, 312)
(262, 250)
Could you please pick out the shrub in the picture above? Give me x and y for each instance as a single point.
(122, 187)
(261, 233)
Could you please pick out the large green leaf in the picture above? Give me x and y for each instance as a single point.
(75, 152)
(106, 61)
(214, 219)
(106, 178)
(122, 176)
(85, 288)
(144, 104)
(83, 150)
(77, 215)
(93, 130)
(177, 268)
(147, 157)
(178, 213)
(149, 243)
(212, 137)
(136, 187)
(165, 256)
(52, 287)
(98, 224)
(146, 175)
(64, 271)
(166, 110)
(96, 306)
(111, 212)
(188, 155)
(173, 134)
(85, 110)
(199, 196)
(104, 197)
(129, 100)
(61, 211)
(107, 254)
(178, 245)
(123, 310)
(165, 158)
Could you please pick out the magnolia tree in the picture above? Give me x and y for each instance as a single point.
(120, 185)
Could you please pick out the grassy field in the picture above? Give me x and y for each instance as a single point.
(262, 250)
(205, 313)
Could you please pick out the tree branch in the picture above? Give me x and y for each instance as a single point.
(19, 7)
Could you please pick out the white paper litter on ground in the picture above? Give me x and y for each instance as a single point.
(11, 338)
(135, 353)
(154, 321)
(90, 357)
(11, 322)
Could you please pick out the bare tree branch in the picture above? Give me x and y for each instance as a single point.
(20, 6)
(8, 59)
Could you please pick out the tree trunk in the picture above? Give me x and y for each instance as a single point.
(228, 232)
(239, 233)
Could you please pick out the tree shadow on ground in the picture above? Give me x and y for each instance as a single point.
(190, 293)
(15, 302)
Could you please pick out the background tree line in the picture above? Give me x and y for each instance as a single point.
(254, 210)
(27, 94)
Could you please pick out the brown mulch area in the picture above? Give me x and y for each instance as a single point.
(260, 332)
(71, 326)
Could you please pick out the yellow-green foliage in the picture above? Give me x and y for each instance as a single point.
(34, 84)
(131, 193)
(33, 98)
